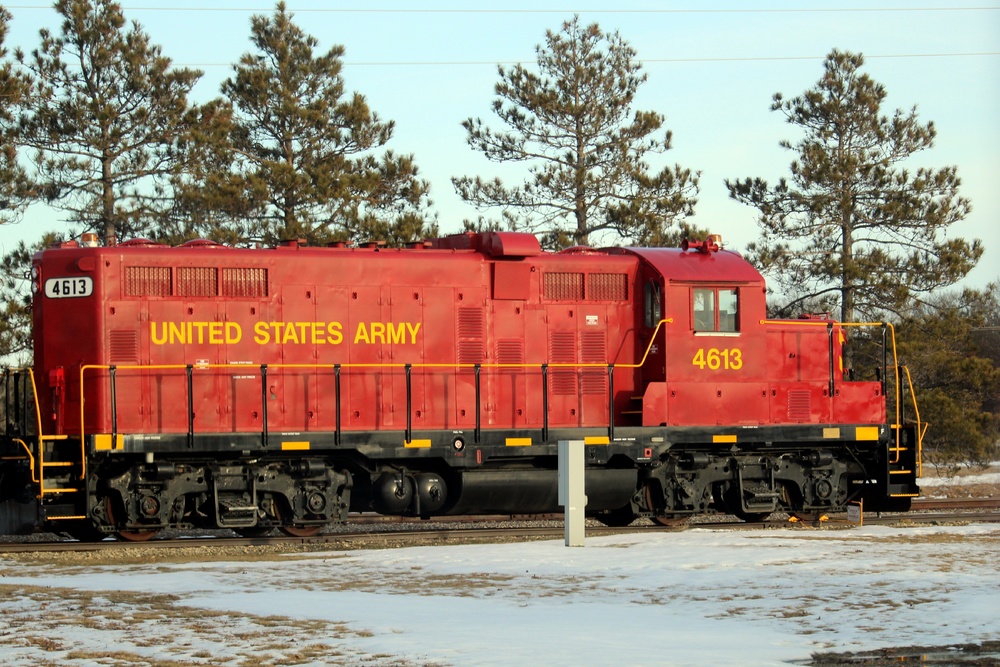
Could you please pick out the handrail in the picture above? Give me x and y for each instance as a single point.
(38, 466)
(337, 367)
(921, 427)
(31, 459)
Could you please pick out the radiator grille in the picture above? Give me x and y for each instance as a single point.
(563, 286)
(197, 281)
(147, 281)
(244, 282)
(607, 287)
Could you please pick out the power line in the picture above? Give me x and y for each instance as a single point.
(644, 61)
(330, 10)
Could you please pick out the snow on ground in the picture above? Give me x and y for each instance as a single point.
(702, 596)
(964, 480)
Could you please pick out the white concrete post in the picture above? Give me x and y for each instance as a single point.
(572, 496)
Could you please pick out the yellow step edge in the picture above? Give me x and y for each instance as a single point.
(417, 444)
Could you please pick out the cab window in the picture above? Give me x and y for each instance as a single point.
(715, 309)
(654, 307)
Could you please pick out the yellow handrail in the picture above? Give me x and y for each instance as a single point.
(244, 367)
(921, 428)
(31, 459)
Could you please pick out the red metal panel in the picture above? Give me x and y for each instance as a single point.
(716, 403)
(859, 403)
(292, 390)
(511, 281)
(367, 386)
(510, 383)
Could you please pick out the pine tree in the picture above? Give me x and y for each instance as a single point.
(15, 300)
(946, 345)
(16, 188)
(106, 118)
(573, 123)
(854, 230)
(303, 165)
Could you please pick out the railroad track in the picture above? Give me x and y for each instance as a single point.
(471, 529)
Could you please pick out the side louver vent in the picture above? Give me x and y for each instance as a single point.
(123, 346)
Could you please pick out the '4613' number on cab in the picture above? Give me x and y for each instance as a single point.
(730, 359)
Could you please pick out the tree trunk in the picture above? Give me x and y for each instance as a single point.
(108, 202)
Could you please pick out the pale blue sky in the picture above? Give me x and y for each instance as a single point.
(712, 68)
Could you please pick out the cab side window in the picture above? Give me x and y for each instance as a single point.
(654, 306)
(715, 309)
(704, 310)
(728, 310)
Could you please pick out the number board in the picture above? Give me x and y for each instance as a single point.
(66, 288)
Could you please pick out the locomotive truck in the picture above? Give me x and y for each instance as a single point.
(206, 386)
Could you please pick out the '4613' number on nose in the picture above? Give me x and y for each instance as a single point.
(730, 359)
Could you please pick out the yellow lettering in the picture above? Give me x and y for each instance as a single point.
(713, 359)
(335, 335)
(176, 333)
(413, 331)
(200, 326)
(305, 333)
(261, 336)
(162, 340)
(362, 334)
(396, 334)
(290, 334)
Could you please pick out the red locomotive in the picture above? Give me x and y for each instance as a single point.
(253, 389)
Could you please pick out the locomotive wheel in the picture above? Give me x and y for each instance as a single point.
(670, 521)
(293, 530)
(128, 535)
(300, 531)
(136, 535)
(251, 532)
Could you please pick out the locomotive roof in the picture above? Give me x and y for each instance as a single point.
(677, 265)
(695, 264)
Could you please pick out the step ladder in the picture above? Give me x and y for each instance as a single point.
(634, 413)
(903, 463)
(60, 472)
